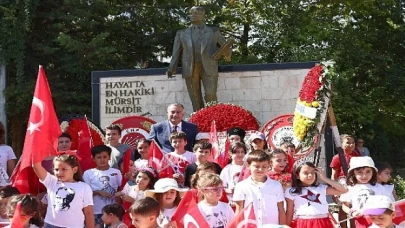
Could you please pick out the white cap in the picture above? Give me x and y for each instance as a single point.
(377, 205)
(365, 161)
(202, 135)
(163, 185)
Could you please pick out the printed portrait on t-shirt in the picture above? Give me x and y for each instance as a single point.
(105, 180)
(64, 196)
(363, 196)
(219, 219)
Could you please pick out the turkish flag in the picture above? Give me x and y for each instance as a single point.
(244, 219)
(41, 137)
(187, 214)
(159, 161)
(187, 201)
(399, 218)
(126, 162)
(244, 173)
(223, 159)
(16, 223)
(213, 139)
(85, 144)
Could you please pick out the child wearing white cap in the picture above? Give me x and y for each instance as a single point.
(362, 183)
(258, 142)
(167, 192)
(381, 211)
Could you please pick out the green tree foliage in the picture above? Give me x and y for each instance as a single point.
(74, 37)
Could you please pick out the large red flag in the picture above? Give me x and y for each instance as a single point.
(85, 144)
(42, 134)
(244, 219)
(159, 161)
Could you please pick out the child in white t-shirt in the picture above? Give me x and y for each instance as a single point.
(180, 158)
(29, 211)
(168, 194)
(70, 201)
(266, 194)
(134, 190)
(103, 180)
(384, 178)
(217, 214)
(142, 147)
(381, 210)
(230, 173)
(7, 158)
(306, 199)
(362, 183)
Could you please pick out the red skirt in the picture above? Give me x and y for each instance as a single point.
(312, 223)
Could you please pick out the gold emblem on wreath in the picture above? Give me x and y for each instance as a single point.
(147, 125)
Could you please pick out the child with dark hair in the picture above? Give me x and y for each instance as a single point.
(230, 173)
(134, 190)
(306, 199)
(279, 168)
(5, 194)
(168, 194)
(142, 147)
(180, 158)
(362, 183)
(202, 151)
(113, 136)
(264, 193)
(29, 213)
(112, 216)
(384, 178)
(103, 180)
(144, 213)
(67, 196)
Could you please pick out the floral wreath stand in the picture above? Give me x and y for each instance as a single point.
(313, 104)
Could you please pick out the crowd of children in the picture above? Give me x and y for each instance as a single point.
(281, 190)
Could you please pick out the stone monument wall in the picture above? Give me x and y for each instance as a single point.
(267, 90)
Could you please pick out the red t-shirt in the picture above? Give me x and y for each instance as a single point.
(335, 164)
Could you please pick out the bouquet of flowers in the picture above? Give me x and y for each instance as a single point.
(284, 178)
(226, 116)
(311, 102)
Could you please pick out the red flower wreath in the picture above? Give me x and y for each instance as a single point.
(226, 116)
(311, 84)
(73, 130)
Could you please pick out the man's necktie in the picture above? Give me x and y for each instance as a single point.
(175, 128)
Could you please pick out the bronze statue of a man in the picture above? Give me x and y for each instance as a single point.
(196, 46)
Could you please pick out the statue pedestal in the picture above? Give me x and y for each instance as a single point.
(267, 90)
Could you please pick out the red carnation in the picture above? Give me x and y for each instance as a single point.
(226, 116)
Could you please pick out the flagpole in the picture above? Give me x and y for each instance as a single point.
(3, 117)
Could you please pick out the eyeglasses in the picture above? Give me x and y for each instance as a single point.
(214, 189)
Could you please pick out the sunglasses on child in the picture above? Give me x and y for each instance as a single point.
(214, 189)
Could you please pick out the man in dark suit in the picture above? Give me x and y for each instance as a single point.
(196, 46)
(161, 131)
